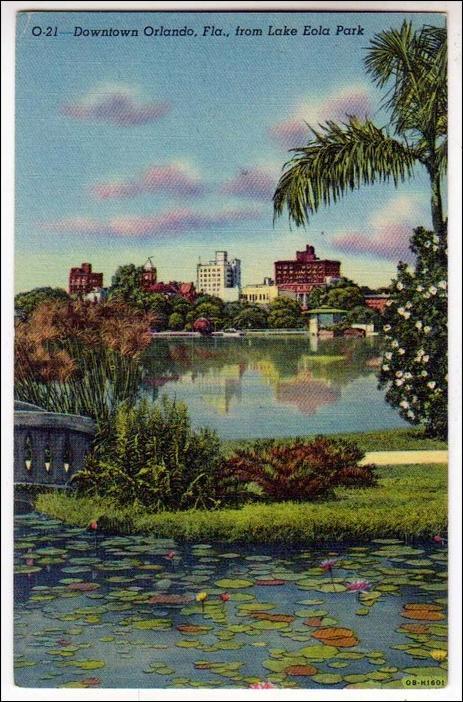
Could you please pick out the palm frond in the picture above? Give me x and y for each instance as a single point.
(337, 159)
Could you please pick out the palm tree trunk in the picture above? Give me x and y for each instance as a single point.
(438, 223)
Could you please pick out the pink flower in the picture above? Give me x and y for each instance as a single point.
(438, 539)
(328, 564)
(358, 586)
(170, 555)
(93, 525)
(224, 596)
(263, 686)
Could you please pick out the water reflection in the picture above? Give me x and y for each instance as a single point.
(253, 386)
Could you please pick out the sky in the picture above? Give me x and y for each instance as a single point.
(171, 147)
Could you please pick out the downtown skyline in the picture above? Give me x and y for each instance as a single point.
(173, 148)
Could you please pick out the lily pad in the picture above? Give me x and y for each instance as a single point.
(233, 583)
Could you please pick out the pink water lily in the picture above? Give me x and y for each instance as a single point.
(358, 586)
(439, 539)
(263, 686)
(328, 564)
(170, 555)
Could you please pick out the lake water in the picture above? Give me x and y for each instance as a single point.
(101, 611)
(273, 386)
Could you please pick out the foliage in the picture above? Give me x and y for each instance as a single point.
(176, 321)
(414, 369)
(342, 157)
(26, 302)
(80, 358)
(343, 297)
(409, 502)
(252, 317)
(152, 456)
(300, 471)
(285, 313)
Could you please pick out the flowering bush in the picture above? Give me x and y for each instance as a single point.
(300, 471)
(414, 368)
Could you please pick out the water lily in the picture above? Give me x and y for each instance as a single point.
(358, 586)
(93, 525)
(224, 596)
(201, 597)
(263, 686)
(328, 564)
(439, 655)
(170, 555)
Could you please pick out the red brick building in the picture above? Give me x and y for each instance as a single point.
(298, 277)
(83, 280)
(377, 302)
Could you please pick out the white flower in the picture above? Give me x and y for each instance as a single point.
(388, 303)
(427, 244)
(427, 329)
(407, 315)
(424, 374)
(404, 404)
(418, 324)
(410, 414)
(426, 295)
(401, 351)
(408, 305)
(434, 248)
(420, 352)
(388, 355)
(401, 310)
(431, 384)
(385, 367)
(398, 374)
(414, 398)
(425, 358)
(399, 382)
(400, 286)
(433, 290)
(419, 288)
(442, 284)
(408, 375)
(387, 327)
(394, 344)
(408, 387)
(435, 239)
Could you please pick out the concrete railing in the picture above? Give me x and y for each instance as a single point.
(49, 447)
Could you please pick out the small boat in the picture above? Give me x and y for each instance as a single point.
(232, 332)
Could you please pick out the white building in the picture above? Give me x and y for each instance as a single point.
(220, 277)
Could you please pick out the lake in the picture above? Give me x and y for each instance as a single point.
(272, 386)
(94, 610)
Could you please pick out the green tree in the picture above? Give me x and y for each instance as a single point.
(345, 298)
(26, 302)
(412, 66)
(285, 313)
(251, 318)
(414, 370)
(176, 321)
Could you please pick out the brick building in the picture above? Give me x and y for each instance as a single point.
(83, 280)
(377, 302)
(297, 278)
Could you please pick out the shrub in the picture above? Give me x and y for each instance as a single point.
(414, 368)
(152, 457)
(300, 471)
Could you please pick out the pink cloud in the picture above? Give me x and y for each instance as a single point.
(389, 242)
(169, 223)
(293, 132)
(253, 183)
(115, 106)
(171, 179)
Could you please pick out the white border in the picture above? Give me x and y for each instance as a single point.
(453, 690)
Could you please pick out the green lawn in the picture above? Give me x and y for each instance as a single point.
(410, 502)
(384, 440)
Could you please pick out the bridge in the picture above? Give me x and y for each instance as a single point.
(49, 448)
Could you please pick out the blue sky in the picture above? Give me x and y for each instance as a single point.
(171, 146)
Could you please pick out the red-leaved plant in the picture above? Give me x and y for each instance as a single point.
(302, 470)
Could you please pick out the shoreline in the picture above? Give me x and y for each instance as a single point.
(409, 503)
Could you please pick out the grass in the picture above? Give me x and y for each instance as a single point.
(410, 502)
(383, 440)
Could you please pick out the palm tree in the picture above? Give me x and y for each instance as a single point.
(342, 157)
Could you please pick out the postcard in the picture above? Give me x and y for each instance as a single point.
(230, 351)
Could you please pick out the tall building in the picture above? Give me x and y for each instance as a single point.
(220, 277)
(83, 280)
(298, 277)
